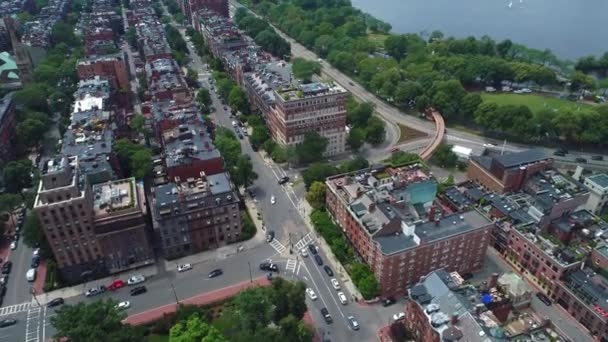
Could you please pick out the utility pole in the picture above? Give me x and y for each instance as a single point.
(250, 275)
(175, 294)
(290, 244)
(33, 292)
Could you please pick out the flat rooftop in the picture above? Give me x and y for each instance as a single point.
(516, 159)
(114, 196)
(601, 180)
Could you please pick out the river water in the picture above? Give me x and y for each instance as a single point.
(569, 28)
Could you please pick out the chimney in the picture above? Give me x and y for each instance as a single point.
(454, 319)
(437, 221)
(493, 280)
(371, 207)
(432, 213)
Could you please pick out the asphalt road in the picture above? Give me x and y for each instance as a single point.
(18, 288)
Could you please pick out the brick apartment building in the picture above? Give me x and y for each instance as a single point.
(507, 173)
(8, 123)
(113, 67)
(389, 217)
(189, 150)
(440, 309)
(92, 232)
(191, 7)
(196, 214)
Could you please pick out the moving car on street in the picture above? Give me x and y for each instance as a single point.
(138, 290)
(326, 316)
(543, 298)
(216, 273)
(95, 291)
(270, 236)
(398, 316)
(268, 266)
(283, 180)
(273, 200)
(123, 305)
(7, 323)
(116, 284)
(335, 284)
(311, 293)
(55, 302)
(353, 322)
(342, 298)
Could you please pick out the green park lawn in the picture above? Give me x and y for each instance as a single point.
(534, 102)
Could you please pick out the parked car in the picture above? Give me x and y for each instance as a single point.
(311, 293)
(35, 262)
(123, 305)
(581, 160)
(399, 316)
(342, 298)
(216, 273)
(184, 267)
(283, 180)
(136, 279)
(30, 275)
(2, 291)
(270, 236)
(543, 298)
(319, 260)
(7, 323)
(95, 291)
(353, 322)
(328, 271)
(6, 268)
(335, 284)
(388, 301)
(273, 200)
(304, 253)
(138, 290)
(4, 279)
(267, 266)
(116, 284)
(55, 302)
(326, 316)
(13, 245)
(598, 157)
(559, 153)
(312, 249)
(395, 149)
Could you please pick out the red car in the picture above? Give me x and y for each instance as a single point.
(116, 284)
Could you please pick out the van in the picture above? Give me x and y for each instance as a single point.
(31, 275)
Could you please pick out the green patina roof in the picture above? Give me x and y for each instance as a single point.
(8, 63)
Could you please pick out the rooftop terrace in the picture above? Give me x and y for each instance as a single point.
(114, 197)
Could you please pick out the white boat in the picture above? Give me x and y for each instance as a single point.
(510, 4)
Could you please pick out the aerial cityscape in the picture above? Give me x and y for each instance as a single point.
(299, 170)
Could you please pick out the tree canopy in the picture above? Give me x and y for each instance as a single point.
(136, 159)
(99, 321)
(312, 148)
(303, 69)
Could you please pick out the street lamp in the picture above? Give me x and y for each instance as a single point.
(175, 294)
(250, 275)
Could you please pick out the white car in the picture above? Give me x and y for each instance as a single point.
(342, 298)
(136, 279)
(36, 252)
(398, 316)
(184, 267)
(304, 252)
(489, 145)
(311, 293)
(123, 305)
(273, 200)
(335, 283)
(13, 245)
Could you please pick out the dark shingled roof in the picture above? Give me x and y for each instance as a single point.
(521, 158)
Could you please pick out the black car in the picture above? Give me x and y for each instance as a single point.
(318, 260)
(388, 301)
(312, 249)
(467, 276)
(7, 323)
(138, 290)
(559, 153)
(581, 160)
(6, 268)
(543, 298)
(597, 157)
(267, 266)
(2, 291)
(283, 180)
(328, 271)
(240, 136)
(55, 302)
(326, 316)
(251, 193)
(35, 262)
(270, 236)
(216, 273)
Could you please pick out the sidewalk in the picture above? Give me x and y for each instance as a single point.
(76, 290)
(224, 251)
(202, 299)
(305, 209)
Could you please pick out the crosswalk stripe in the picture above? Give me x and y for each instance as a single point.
(278, 246)
(307, 239)
(8, 310)
(291, 265)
